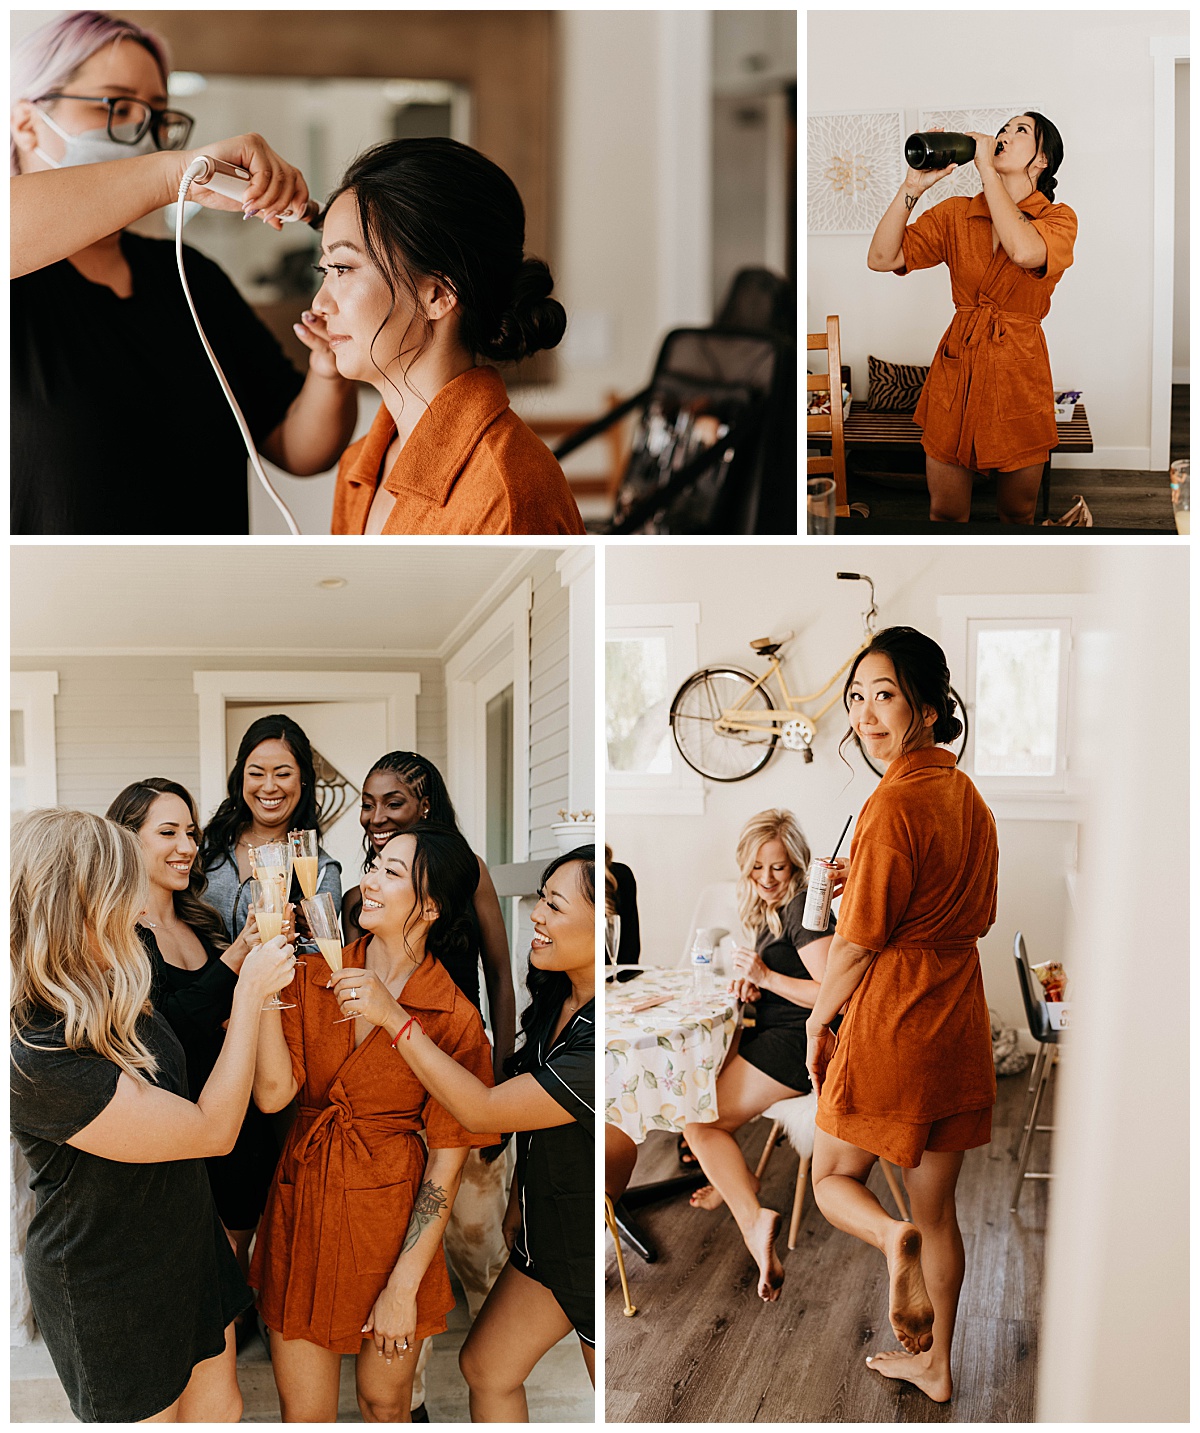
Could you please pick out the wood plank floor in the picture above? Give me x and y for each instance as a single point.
(893, 487)
(704, 1348)
(558, 1389)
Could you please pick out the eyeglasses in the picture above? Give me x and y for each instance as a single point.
(170, 128)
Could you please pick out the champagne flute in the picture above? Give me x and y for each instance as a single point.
(322, 917)
(304, 860)
(268, 900)
(612, 936)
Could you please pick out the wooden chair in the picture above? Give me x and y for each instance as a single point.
(610, 1218)
(797, 1118)
(1047, 1037)
(830, 424)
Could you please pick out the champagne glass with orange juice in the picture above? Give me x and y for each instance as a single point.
(268, 900)
(304, 860)
(322, 917)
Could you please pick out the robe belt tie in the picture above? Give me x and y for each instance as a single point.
(339, 1115)
(996, 318)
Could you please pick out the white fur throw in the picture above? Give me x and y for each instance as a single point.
(798, 1116)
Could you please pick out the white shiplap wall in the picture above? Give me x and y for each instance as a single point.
(118, 719)
(549, 712)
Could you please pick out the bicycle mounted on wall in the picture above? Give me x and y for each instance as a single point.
(727, 723)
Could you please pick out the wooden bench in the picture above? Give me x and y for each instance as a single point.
(868, 428)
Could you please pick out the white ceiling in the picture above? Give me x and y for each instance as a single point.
(252, 597)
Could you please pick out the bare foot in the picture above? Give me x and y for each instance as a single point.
(909, 1306)
(914, 1368)
(706, 1197)
(760, 1240)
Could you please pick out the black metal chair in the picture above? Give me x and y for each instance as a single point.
(1047, 1055)
(714, 447)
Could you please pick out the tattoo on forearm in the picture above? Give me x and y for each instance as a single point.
(431, 1200)
(910, 203)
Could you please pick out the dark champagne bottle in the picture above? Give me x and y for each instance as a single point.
(937, 149)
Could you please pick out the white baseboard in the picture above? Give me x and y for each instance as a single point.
(1181, 375)
(1135, 460)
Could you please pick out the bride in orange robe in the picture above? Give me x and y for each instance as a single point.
(349, 1257)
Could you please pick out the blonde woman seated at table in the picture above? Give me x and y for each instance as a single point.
(767, 1063)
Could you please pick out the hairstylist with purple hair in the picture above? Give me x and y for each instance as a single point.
(118, 423)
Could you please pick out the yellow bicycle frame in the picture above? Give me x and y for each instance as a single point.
(736, 719)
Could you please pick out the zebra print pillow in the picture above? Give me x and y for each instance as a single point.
(894, 387)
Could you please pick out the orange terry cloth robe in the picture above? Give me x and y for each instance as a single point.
(470, 465)
(913, 1067)
(989, 399)
(343, 1192)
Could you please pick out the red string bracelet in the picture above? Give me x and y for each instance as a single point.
(403, 1030)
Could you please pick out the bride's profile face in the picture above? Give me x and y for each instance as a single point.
(370, 333)
(1016, 148)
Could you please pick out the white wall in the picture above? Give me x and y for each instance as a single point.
(1117, 1248)
(118, 719)
(1181, 355)
(1084, 68)
(757, 591)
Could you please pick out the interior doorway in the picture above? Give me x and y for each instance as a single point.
(347, 738)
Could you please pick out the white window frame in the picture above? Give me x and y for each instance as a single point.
(33, 694)
(681, 791)
(1053, 797)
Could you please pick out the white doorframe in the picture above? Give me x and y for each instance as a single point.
(215, 689)
(470, 672)
(1168, 52)
(33, 694)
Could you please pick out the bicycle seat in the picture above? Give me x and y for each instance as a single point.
(764, 647)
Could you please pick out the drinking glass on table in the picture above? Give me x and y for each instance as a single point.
(612, 937)
(268, 900)
(304, 860)
(322, 917)
(822, 506)
(1181, 502)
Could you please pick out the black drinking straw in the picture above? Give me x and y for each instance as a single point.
(842, 837)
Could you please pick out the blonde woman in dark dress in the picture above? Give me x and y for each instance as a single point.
(767, 1064)
(133, 1283)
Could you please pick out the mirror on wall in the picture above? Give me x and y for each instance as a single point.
(317, 124)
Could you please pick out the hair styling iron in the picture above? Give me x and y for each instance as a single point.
(230, 180)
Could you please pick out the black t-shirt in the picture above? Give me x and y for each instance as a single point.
(118, 423)
(132, 1279)
(556, 1167)
(781, 954)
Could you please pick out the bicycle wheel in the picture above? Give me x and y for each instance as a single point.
(698, 704)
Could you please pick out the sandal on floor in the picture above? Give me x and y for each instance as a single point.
(687, 1156)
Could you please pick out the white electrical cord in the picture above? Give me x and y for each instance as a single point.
(198, 167)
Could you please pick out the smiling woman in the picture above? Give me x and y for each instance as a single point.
(425, 279)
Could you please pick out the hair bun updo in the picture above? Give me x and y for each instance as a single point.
(532, 321)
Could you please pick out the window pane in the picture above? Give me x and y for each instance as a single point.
(16, 737)
(637, 702)
(1016, 701)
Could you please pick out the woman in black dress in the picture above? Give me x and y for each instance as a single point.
(133, 1283)
(548, 1285)
(195, 971)
(768, 1062)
